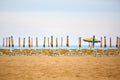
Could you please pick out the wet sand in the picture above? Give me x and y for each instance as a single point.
(59, 68)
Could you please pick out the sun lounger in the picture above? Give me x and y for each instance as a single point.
(1, 52)
(79, 52)
(32, 51)
(67, 52)
(5, 52)
(56, 52)
(89, 51)
(62, 51)
(73, 51)
(38, 51)
(113, 52)
(84, 51)
(118, 51)
(45, 52)
(105, 52)
(16, 52)
(98, 52)
(26, 52)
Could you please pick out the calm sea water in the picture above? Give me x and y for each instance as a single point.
(70, 47)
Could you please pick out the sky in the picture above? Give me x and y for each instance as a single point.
(59, 18)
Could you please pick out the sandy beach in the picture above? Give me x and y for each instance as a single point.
(59, 68)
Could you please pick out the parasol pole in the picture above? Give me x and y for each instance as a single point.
(110, 43)
(36, 42)
(117, 42)
(79, 42)
(89, 44)
(101, 42)
(19, 42)
(29, 42)
(56, 42)
(6, 42)
(93, 42)
(44, 42)
(67, 41)
(3, 43)
(23, 42)
(48, 43)
(52, 41)
(9, 42)
(12, 41)
(104, 41)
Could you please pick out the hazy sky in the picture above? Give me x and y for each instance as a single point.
(60, 18)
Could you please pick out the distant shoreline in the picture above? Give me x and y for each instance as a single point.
(70, 47)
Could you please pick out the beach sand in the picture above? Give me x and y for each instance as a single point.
(59, 68)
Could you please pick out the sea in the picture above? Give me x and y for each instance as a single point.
(64, 47)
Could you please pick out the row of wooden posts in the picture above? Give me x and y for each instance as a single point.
(10, 42)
